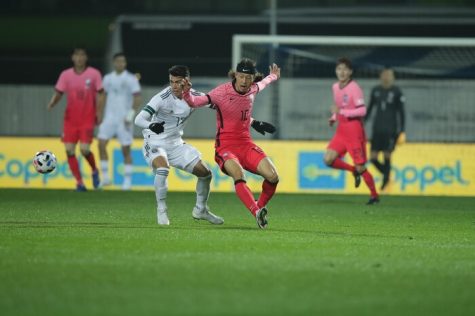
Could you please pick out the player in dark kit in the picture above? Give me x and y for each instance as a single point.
(388, 122)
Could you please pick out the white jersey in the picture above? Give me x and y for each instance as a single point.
(120, 89)
(166, 107)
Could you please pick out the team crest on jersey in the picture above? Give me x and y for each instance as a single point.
(88, 83)
(345, 99)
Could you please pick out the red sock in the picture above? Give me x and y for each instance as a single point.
(245, 195)
(268, 190)
(74, 166)
(340, 164)
(90, 159)
(368, 179)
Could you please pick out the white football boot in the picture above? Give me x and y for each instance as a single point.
(105, 182)
(127, 184)
(205, 214)
(162, 217)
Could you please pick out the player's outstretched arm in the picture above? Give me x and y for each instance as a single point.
(274, 74)
(193, 100)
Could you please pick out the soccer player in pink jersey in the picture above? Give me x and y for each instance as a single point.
(234, 148)
(85, 101)
(349, 110)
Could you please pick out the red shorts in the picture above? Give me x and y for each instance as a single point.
(248, 155)
(355, 147)
(74, 134)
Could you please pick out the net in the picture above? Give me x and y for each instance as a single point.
(436, 76)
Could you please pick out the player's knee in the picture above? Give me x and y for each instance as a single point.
(360, 168)
(69, 153)
(85, 152)
(274, 178)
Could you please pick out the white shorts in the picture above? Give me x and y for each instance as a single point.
(182, 156)
(109, 129)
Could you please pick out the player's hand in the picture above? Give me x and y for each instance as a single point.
(274, 69)
(49, 107)
(157, 128)
(401, 139)
(263, 127)
(185, 85)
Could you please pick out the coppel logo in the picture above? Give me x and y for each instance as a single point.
(142, 174)
(314, 174)
(428, 175)
(15, 168)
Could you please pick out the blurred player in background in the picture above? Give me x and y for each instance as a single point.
(349, 110)
(235, 150)
(122, 102)
(163, 120)
(85, 101)
(388, 123)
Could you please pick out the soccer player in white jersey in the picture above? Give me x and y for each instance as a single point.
(163, 120)
(123, 100)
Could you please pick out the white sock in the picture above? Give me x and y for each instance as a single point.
(105, 170)
(202, 191)
(128, 174)
(161, 187)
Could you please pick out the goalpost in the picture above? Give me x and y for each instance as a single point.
(437, 76)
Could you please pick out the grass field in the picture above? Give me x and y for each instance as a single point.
(101, 253)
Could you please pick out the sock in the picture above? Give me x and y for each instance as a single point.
(74, 167)
(268, 190)
(387, 167)
(340, 164)
(202, 191)
(378, 165)
(90, 159)
(245, 195)
(105, 170)
(161, 187)
(368, 179)
(128, 170)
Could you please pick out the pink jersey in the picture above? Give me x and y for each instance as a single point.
(350, 101)
(233, 110)
(81, 90)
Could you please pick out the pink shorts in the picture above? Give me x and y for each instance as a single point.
(355, 147)
(248, 155)
(74, 134)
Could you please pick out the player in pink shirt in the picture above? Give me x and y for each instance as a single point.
(235, 150)
(84, 105)
(349, 110)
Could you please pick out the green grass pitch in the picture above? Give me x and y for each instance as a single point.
(101, 253)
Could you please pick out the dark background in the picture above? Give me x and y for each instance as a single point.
(38, 35)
